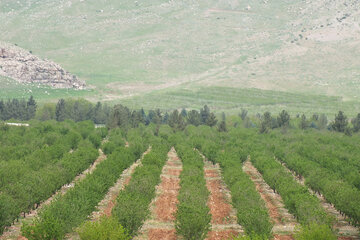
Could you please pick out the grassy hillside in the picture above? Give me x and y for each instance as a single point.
(232, 100)
(131, 50)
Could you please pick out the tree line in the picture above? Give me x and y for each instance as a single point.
(18, 109)
(341, 122)
(123, 117)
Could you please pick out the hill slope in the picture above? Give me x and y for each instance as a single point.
(130, 48)
(24, 67)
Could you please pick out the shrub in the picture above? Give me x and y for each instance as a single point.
(315, 232)
(192, 216)
(106, 228)
(252, 237)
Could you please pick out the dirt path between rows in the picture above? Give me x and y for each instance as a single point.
(14, 232)
(223, 215)
(345, 231)
(161, 225)
(108, 203)
(284, 222)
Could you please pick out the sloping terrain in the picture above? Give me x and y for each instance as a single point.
(130, 48)
(24, 67)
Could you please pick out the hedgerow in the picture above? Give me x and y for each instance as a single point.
(251, 210)
(26, 182)
(192, 215)
(132, 204)
(70, 210)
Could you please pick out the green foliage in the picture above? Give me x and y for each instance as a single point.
(71, 209)
(107, 228)
(315, 232)
(303, 123)
(176, 121)
(323, 121)
(297, 199)
(18, 109)
(78, 110)
(42, 166)
(266, 123)
(330, 171)
(194, 118)
(243, 114)
(283, 119)
(340, 123)
(192, 216)
(60, 111)
(131, 208)
(252, 237)
(251, 210)
(45, 225)
(119, 117)
(356, 123)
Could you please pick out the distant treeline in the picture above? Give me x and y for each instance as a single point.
(115, 116)
(123, 117)
(18, 109)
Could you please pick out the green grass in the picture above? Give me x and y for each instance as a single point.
(112, 44)
(11, 89)
(233, 100)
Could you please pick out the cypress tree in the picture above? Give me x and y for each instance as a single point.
(205, 114)
(211, 121)
(356, 123)
(303, 123)
(194, 118)
(340, 123)
(31, 108)
(60, 110)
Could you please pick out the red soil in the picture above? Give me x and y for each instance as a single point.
(210, 173)
(173, 164)
(169, 184)
(283, 237)
(221, 235)
(167, 201)
(173, 172)
(219, 207)
(273, 210)
(112, 202)
(162, 234)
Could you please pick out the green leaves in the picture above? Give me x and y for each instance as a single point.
(315, 232)
(71, 209)
(296, 197)
(35, 177)
(251, 211)
(132, 204)
(192, 216)
(107, 228)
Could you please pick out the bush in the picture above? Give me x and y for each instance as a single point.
(252, 237)
(192, 216)
(107, 228)
(315, 232)
(132, 204)
(70, 210)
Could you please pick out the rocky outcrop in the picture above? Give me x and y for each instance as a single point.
(23, 66)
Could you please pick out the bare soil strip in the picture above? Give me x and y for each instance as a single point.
(223, 215)
(345, 230)
(161, 225)
(284, 222)
(107, 204)
(14, 232)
